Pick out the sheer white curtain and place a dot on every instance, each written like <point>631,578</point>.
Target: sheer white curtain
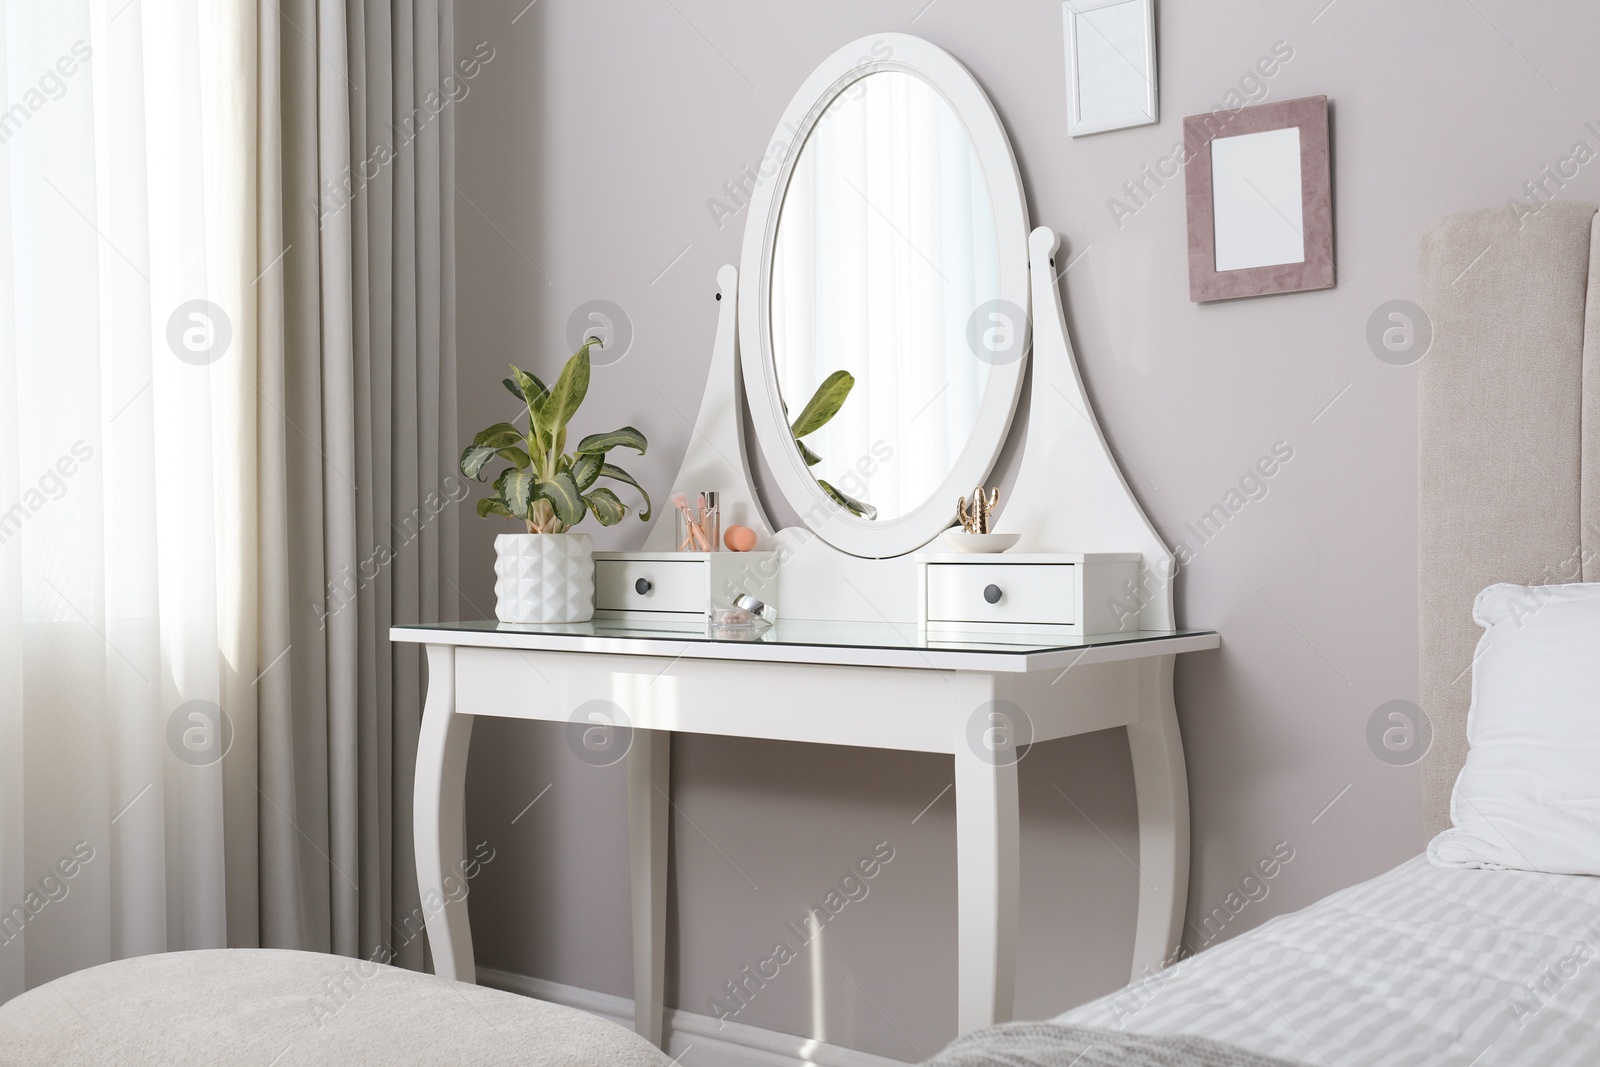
<point>127,480</point>
<point>227,442</point>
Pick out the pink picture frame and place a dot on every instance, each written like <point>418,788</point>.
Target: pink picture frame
<point>1316,270</point>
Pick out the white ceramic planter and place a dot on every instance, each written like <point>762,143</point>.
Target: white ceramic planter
<point>544,577</point>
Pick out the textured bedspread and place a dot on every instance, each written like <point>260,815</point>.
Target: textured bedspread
<point>1054,1045</point>
<point>1420,966</point>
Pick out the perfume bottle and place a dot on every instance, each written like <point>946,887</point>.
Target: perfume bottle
<point>711,519</point>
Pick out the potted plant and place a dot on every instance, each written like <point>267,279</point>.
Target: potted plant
<point>547,573</point>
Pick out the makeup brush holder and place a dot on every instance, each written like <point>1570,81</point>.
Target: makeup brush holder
<point>700,529</point>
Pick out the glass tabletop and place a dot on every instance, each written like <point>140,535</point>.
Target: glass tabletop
<point>815,634</point>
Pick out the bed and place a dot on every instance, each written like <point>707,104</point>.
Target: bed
<point>1426,965</point>
<point>1420,965</point>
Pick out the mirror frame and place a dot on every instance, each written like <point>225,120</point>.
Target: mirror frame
<point>879,539</point>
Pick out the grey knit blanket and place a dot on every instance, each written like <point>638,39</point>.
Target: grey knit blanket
<point>1051,1045</point>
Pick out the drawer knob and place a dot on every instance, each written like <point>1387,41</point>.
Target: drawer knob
<point>991,593</point>
<point>642,587</point>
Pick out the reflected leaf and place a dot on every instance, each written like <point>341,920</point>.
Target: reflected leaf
<point>824,403</point>
<point>849,503</point>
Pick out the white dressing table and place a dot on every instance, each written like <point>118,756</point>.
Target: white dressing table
<point>907,265</point>
<point>978,699</point>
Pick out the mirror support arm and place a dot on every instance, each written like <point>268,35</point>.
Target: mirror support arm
<point>716,457</point>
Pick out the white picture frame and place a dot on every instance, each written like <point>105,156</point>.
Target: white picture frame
<point>1111,65</point>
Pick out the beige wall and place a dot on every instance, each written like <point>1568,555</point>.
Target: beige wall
<point>587,151</point>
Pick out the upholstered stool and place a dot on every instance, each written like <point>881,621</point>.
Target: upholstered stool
<point>261,1007</point>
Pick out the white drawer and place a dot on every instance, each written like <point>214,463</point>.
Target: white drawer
<point>650,585</point>
<point>1037,594</point>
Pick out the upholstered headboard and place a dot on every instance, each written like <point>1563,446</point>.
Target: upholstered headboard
<point>1509,441</point>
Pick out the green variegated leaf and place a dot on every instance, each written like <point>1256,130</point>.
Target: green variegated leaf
<point>824,403</point>
<point>515,389</point>
<point>491,506</point>
<point>850,504</point>
<point>587,469</point>
<point>485,446</point>
<point>516,457</point>
<point>566,395</point>
<point>565,500</point>
<point>606,507</point>
<point>601,443</point>
<point>528,388</point>
<point>474,459</point>
<point>611,470</point>
<point>516,489</point>
<point>533,392</point>
<point>500,435</point>
<point>811,458</point>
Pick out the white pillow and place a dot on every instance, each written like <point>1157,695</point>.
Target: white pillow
<point>1528,797</point>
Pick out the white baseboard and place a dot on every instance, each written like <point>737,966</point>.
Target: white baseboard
<point>712,1043</point>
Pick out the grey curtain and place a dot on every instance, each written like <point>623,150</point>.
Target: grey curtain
<point>359,495</point>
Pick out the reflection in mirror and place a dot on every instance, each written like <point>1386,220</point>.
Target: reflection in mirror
<point>886,254</point>
<point>1256,199</point>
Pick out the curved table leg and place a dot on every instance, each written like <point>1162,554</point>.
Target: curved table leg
<point>1162,785</point>
<point>986,879</point>
<point>440,807</point>
<point>649,765</point>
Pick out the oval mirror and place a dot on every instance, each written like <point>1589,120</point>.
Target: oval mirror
<point>883,314</point>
